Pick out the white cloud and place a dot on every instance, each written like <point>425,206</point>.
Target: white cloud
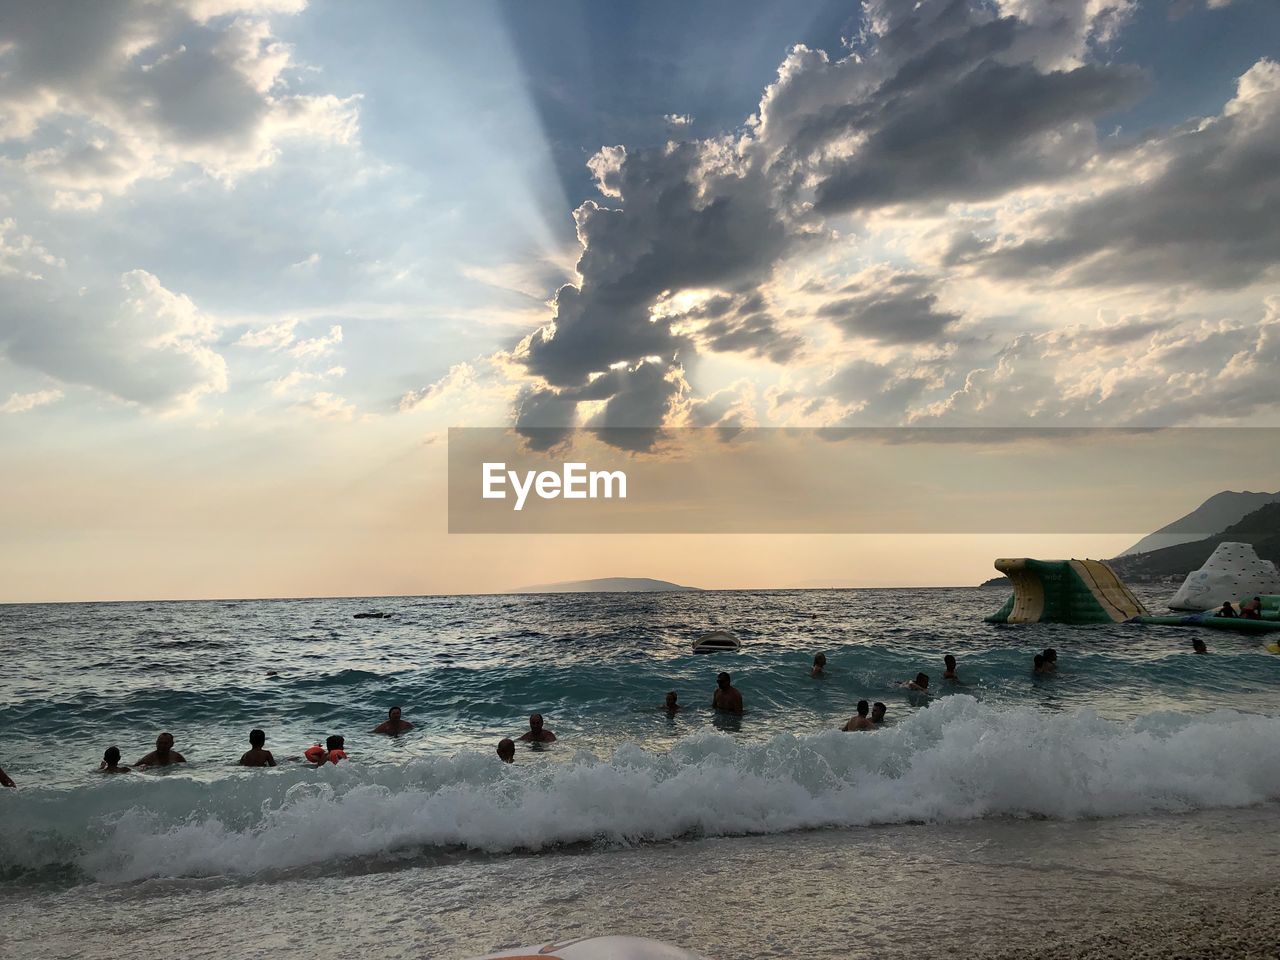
<point>22,402</point>
<point>290,381</point>
<point>21,255</point>
<point>318,346</point>
<point>131,90</point>
<point>140,342</point>
<point>328,406</point>
<point>275,336</point>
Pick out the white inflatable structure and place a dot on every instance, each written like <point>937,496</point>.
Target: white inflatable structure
<point>598,948</point>
<point>1234,572</point>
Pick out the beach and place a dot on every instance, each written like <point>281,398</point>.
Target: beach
<point>1125,887</point>
<point>1123,807</point>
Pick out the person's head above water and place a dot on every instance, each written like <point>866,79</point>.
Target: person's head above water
<point>671,699</point>
<point>164,743</point>
<point>922,679</point>
<point>111,756</point>
<point>1050,655</point>
<point>535,722</point>
<point>257,738</point>
<point>949,661</point>
<point>335,742</point>
<point>877,711</point>
<point>863,708</point>
<point>507,750</point>
<point>393,714</point>
<point>820,660</point>
<point>1198,646</point>
<point>724,681</point>
<point>1038,661</point>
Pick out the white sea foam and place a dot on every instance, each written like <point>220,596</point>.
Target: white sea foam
<point>956,760</point>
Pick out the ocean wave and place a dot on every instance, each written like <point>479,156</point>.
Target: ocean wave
<point>957,760</point>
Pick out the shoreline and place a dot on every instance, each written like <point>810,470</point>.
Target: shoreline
<point>1240,923</point>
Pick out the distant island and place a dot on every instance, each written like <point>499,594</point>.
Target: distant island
<point>609,585</point>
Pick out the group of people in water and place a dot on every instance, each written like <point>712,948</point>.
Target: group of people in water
<point>726,698</point>
<point>1249,610</point>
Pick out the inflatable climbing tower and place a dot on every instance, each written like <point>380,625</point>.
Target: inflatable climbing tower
<point>1234,572</point>
<point>1065,591</point>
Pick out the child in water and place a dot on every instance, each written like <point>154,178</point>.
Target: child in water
<point>257,755</point>
<point>111,761</point>
<point>331,752</point>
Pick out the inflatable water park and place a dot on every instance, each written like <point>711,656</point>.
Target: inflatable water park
<point>1089,591</point>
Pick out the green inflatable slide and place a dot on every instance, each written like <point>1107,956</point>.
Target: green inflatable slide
<point>1065,591</point>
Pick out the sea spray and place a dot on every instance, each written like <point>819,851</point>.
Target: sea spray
<point>959,759</point>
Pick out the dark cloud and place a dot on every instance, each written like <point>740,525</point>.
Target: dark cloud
<point>898,308</point>
<point>637,398</point>
<point>1210,216</point>
<point>642,398</point>
<point>689,218</point>
<point>740,324</point>
<point>996,128</point>
<point>685,221</point>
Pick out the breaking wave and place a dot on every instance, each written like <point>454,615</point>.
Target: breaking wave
<point>957,760</point>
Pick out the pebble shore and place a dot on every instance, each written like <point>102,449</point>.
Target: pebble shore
<point>1237,925</point>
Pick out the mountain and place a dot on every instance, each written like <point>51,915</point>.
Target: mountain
<point>608,585</point>
<point>1260,528</point>
<point>1214,515</point>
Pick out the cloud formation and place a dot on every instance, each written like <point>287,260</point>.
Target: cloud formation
<point>140,343</point>
<point>1202,207</point>
<point>105,94</point>
<point>890,307</point>
<point>941,102</point>
<point>24,402</point>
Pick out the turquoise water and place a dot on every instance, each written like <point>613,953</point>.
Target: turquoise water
<point>1131,723</point>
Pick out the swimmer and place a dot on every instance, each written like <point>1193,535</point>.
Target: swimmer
<point>257,755</point>
<point>819,666</point>
<point>670,705</point>
<point>1050,659</point>
<point>1038,665</point>
<point>4,779</point>
<point>111,761</point>
<point>877,712</point>
<point>536,734</point>
<point>920,683</point>
<point>1227,610</point>
<point>861,721</point>
<point>1252,610</point>
<point>950,673</point>
<point>393,724</point>
<point>507,750</point>
<point>1197,646</point>
<point>163,755</point>
<point>726,697</point>
<point>332,751</point>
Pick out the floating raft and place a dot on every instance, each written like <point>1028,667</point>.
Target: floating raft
<point>1239,624</point>
<point>1065,591</point>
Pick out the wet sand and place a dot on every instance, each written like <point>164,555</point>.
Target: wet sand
<point>1185,886</point>
<point>1233,925</point>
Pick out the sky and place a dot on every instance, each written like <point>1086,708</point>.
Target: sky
<point>258,256</point>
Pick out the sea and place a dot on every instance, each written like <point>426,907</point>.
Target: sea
<point>1002,807</point>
